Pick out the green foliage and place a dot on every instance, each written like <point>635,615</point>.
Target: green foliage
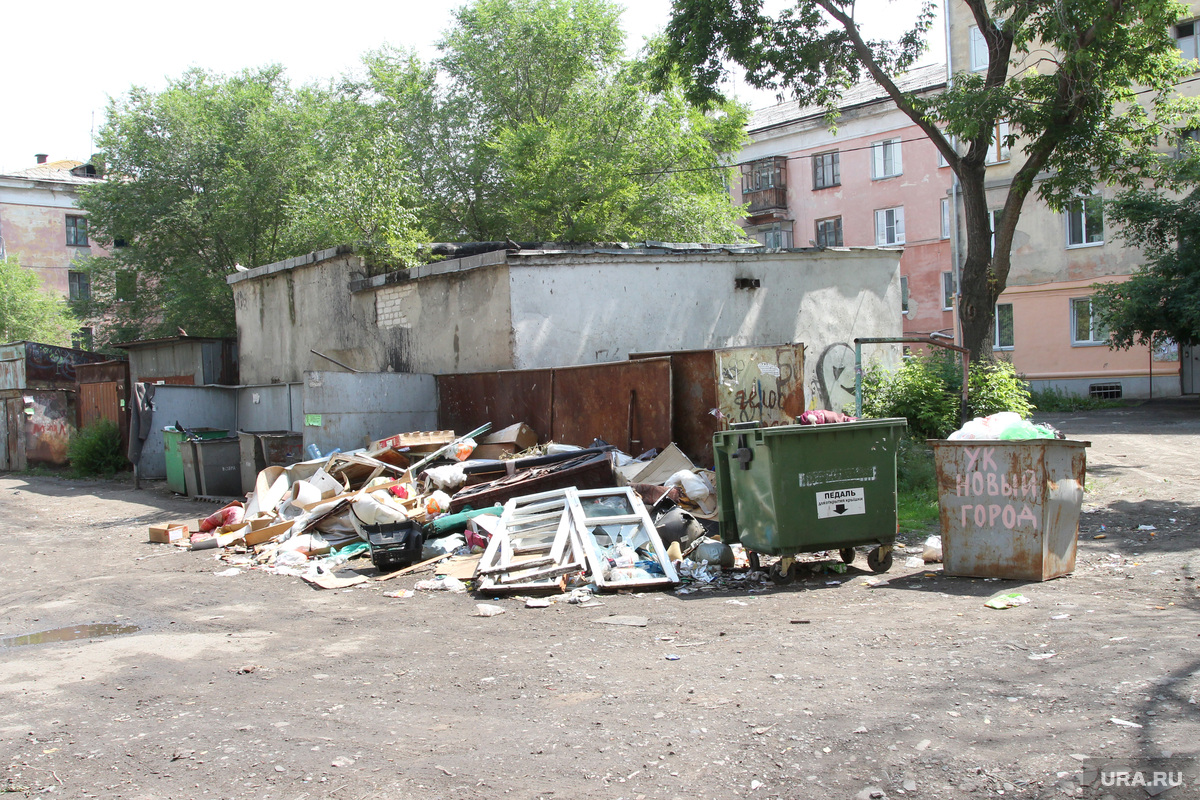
<point>918,391</point>
<point>28,312</point>
<point>1053,399</point>
<point>1087,87</point>
<point>531,127</point>
<point>926,390</point>
<point>916,485</point>
<point>1162,299</point>
<point>96,450</point>
<point>994,386</point>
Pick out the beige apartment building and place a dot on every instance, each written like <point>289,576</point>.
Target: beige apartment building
<point>1044,318</point>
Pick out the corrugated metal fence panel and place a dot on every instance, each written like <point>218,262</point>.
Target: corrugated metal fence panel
<point>627,404</point>
<point>98,401</point>
<point>468,400</point>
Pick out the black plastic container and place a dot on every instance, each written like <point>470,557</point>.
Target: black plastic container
<point>395,545</point>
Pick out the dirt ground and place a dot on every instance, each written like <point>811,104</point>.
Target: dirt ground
<point>260,686</point>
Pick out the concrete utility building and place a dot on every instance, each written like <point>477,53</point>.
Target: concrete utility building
<point>540,308</point>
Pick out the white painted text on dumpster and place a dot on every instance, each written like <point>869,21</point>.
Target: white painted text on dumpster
<point>1006,496</point>
<point>841,503</point>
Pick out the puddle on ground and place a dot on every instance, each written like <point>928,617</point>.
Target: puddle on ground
<point>69,634</point>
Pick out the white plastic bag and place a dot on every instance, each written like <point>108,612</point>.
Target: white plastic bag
<point>697,489</point>
<point>933,550</point>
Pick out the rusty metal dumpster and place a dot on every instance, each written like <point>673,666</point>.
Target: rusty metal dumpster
<point>1010,508</point>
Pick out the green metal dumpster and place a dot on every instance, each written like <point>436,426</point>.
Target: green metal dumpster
<point>805,488</point>
<point>1010,508</point>
<point>172,439</point>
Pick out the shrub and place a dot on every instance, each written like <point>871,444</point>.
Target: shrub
<point>926,389</point>
<point>96,450</point>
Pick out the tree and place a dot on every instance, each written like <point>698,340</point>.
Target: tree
<point>201,177</point>
<point>1085,86</point>
<point>1161,300</point>
<point>29,312</point>
<point>531,126</point>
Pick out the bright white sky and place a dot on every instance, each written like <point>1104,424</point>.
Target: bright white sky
<point>60,63</point>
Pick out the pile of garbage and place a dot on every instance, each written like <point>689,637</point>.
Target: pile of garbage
<point>498,513</point>
<point>1005,425</point>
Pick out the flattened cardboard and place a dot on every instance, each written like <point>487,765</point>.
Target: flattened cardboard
<point>661,467</point>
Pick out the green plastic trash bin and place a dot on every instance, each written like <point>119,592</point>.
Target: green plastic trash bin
<point>806,488</point>
<point>176,475</point>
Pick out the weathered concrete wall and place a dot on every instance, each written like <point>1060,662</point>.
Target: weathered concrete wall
<point>594,308</point>
<point>33,225</point>
<point>408,325</point>
<point>347,410</point>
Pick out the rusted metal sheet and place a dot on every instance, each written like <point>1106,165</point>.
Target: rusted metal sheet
<point>103,372</point>
<point>693,397</point>
<point>12,457</point>
<point>49,420</point>
<point>627,404</point>
<point>468,400</point>
<point>102,392</point>
<point>593,471</point>
<point>729,380</point>
<point>51,367</point>
<point>1010,509</point>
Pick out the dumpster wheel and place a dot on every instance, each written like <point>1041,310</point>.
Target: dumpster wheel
<point>783,571</point>
<point>752,557</point>
<point>880,559</point>
<point>848,554</point>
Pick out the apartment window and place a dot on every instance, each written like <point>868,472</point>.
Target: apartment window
<point>826,170</point>
<point>1004,327</point>
<point>79,286</point>
<point>126,285</point>
<point>999,151</point>
<point>1185,39</point>
<point>829,232</point>
<point>885,159</point>
<point>949,290</point>
<point>1085,222</point>
<point>776,236</point>
<point>1086,327</point>
<point>766,173</point>
<point>945,217</point>
<point>82,339</point>
<point>904,294</point>
<point>979,50</point>
<point>77,231</point>
<point>889,226</point>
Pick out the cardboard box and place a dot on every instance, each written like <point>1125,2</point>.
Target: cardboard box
<point>513,439</point>
<point>170,533</point>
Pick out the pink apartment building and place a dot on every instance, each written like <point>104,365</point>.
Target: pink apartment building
<point>874,182</point>
<point>42,227</point>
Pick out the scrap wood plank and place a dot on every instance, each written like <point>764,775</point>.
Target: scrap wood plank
<point>413,568</point>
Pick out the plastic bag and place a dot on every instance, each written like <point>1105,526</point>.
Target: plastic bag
<point>447,478</point>
<point>231,514</point>
<point>440,547</point>
<point>697,489</point>
<point>437,503</point>
<point>933,550</point>
<point>290,558</point>
<point>461,451</point>
<point>446,584</point>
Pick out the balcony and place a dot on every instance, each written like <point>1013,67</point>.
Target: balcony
<point>764,187</point>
